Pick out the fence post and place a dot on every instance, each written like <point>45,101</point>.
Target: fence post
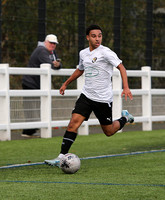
<point>117,100</point>
<point>46,103</point>
<point>147,99</point>
<point>84,128</point>
<point>5,103</point>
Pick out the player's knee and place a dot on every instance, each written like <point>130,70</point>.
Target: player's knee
<point>73,125</point>
<point>109,130</point>
<point>108,133</point>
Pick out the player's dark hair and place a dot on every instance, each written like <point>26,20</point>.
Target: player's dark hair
<point>92,27</point>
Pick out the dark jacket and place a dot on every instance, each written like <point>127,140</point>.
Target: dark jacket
<point>40,55</point>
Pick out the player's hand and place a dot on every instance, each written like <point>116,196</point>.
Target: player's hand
<point>127,93</point>
<point>62,89</point>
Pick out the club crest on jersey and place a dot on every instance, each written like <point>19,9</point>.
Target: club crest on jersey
<point>94,59</point>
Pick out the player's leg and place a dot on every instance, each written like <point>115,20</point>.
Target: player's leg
<point>71,132</point>
<point>103,112</point>
<point>68,138</point>
<point>118,124</point>
<point>111,129</point>
<point>75,122</point>
<point>80,113</point>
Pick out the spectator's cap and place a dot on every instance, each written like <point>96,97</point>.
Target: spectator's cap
<point>51,38</point>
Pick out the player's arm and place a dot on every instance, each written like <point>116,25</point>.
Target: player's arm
<point>77,73</point>
<point>126,90</point>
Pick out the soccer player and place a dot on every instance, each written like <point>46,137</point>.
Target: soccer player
<point>97,62</point>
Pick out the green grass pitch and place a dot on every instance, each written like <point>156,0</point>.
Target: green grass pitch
<point>129,177</point>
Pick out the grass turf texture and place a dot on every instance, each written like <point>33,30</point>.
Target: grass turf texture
<point>116,178</point>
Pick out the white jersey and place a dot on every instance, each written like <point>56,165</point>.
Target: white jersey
<point>98,67</point>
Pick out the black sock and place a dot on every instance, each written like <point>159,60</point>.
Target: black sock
<point>68,139</point>
<point>122,122</point>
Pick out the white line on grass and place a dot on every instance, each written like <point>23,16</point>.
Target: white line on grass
<point>87,158</point>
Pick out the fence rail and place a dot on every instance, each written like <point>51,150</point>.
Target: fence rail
<point>46,93</point>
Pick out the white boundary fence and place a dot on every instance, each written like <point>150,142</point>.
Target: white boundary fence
<point>46,93</point>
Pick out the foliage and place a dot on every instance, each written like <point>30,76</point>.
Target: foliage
<point>132,33</point>
<point>19,31</point>
<point>19,28</point>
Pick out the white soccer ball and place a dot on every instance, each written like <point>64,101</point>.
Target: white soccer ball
<point>70,163</point>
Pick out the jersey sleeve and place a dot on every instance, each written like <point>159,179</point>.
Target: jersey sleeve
<point>112,58</point>
<point>80,66</point>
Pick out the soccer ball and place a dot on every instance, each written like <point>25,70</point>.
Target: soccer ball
<point>70,163</point>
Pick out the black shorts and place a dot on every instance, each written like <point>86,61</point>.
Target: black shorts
<point>85,106</point>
